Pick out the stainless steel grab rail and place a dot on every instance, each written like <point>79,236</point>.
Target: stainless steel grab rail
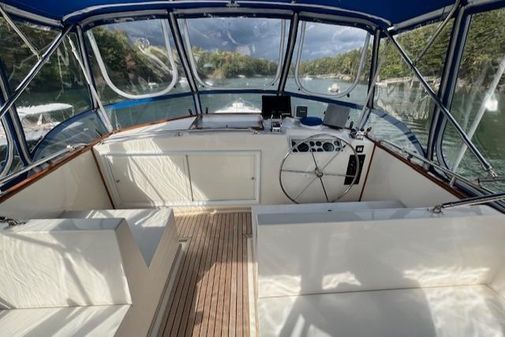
<point>469,202</point>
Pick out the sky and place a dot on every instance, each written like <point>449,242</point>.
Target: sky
<point>261,37</point>
<point>257,37</point>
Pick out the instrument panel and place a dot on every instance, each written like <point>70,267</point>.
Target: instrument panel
<point>316,145</point>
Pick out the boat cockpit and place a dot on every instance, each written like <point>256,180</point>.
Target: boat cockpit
<point>252,168</point>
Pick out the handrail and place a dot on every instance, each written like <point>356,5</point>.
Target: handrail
<point>468,202</point>
<point>44,160</point>
<point>103,68</point>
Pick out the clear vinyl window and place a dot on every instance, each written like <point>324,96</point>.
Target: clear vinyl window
<point>58,91</point>
<point>479,100</point>
<point>398,91</point>
<point>331,60</point>
<point>137,59</point>
<point>237,52</point>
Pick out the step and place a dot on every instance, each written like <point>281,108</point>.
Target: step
<point>378,249</point>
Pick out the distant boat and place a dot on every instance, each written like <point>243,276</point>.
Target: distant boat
<point>334,88</point>
<point>25,111</point>
<point>307,78</point>
<point>38,120</point>
<point>239,107</point>
<point>152,85</point>
<point>241,76</point>
<point>183,82</point>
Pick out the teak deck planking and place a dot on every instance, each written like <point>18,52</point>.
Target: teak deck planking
<point>210,294</point>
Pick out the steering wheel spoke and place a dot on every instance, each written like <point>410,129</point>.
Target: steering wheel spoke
<point>297,171</point>
<point>339,175</point>
<point>305,188</point>
<point>314,159</point>
<point>324,189</point>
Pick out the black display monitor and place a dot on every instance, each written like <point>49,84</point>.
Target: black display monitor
<point>275,106</point>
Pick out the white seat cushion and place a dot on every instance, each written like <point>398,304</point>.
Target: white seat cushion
<point>148,260</point>
<point>146,225</point>
<point>430,312</point>
<point>64,262</point>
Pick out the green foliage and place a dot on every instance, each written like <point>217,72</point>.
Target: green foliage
<point>392,64</point>
<point>128,64</point>
<point>59,80</point>
<point>227,64</point>
<point>17,58</point>
<point>346,63</point>
<point>485,46</point>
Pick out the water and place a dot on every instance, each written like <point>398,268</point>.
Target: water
<point>407,103</point>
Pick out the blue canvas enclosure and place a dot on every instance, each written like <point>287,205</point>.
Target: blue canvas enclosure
<point>390,12</point>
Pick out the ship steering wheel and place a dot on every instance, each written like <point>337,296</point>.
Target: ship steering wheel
<point>321,178</point>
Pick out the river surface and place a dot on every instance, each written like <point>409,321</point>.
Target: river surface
<point>407,102</point>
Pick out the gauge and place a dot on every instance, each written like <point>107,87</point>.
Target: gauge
<point>303,147</point>
<point>328,147</point>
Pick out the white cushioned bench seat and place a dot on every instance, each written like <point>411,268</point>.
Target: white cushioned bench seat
<point>64,262</point>
<point>89,321</point>
<point>147,225</point>
<point>377,249</point>
<point>103,270</point>
<point>148,262</point>
<point>381,273</point>
<point>467,311</point>
<point>64,277</point>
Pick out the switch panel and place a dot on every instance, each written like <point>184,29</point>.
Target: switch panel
<point>351,168</point>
